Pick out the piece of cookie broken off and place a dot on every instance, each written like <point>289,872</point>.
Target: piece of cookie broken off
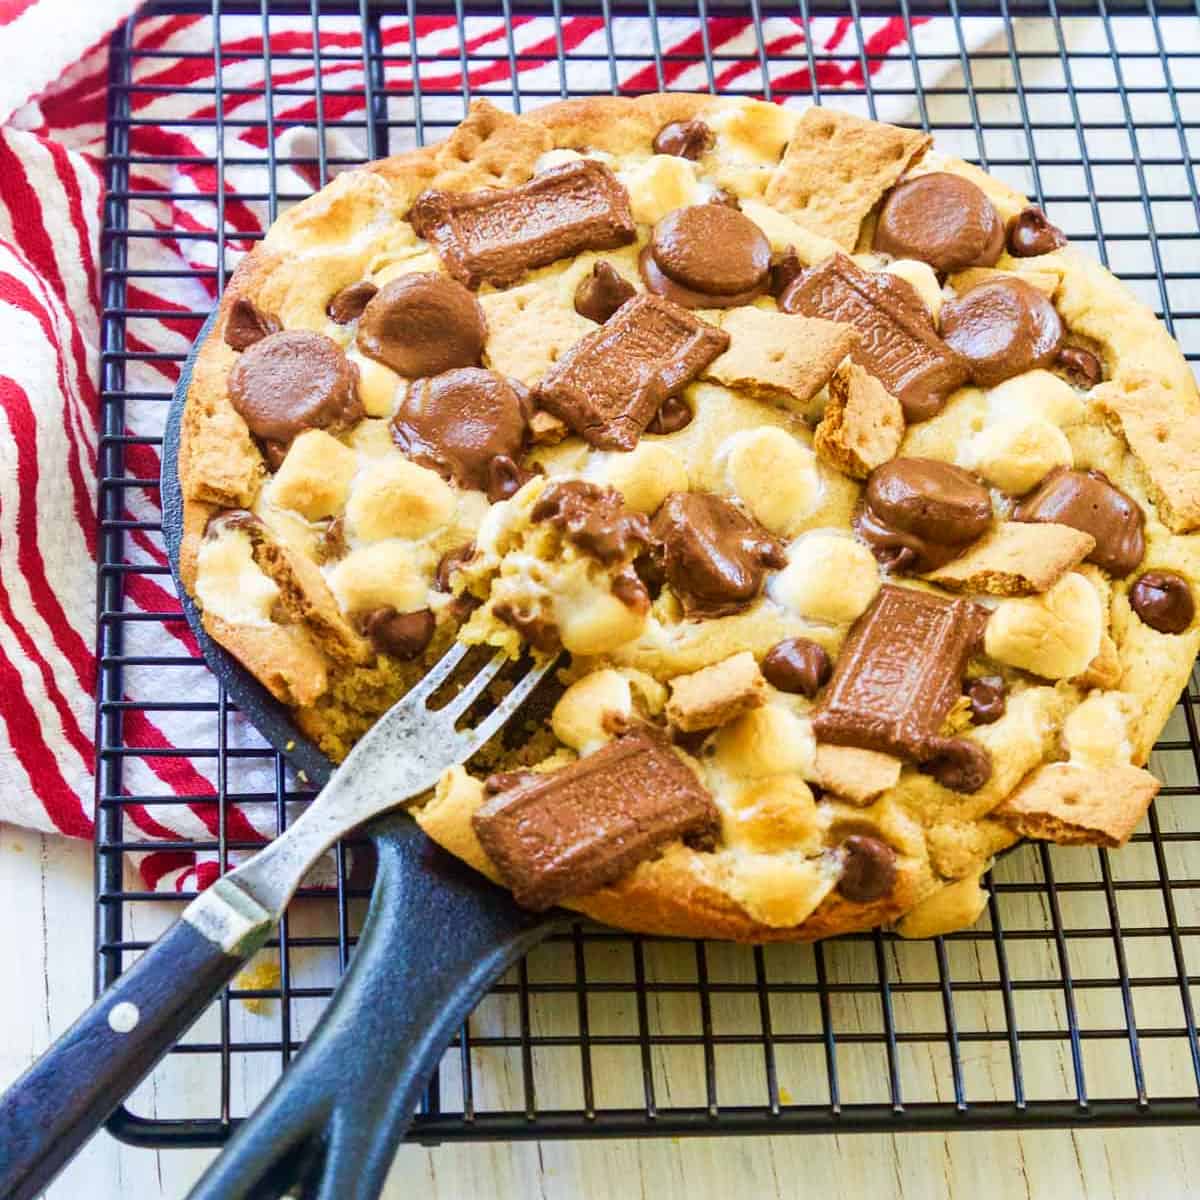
<point>837,166</point>
<point>572,831</point>
<point>611,383</point>
<point>855,775</point>
<point>780,357</point>
<point>1076,805</point>
<point>1015,558</point>
<point>863,423</point>
<point>496,235</point>
<point>717,694</point>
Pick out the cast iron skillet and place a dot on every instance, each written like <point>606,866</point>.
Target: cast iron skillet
<point>437,936</point>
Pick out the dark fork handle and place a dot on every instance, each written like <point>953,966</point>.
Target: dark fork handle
<point>436,937</point>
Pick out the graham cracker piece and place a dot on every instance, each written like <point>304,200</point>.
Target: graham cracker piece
<point>863,424</point>
<point>716,695</point>
<point>491,148</point>
<point>1161,424</point>
<point>837,166</point>
<point>780,357</point>
<point>853,774</point>
<point>529,329</point>
<point>1104,671</point>
<point>1046,282</point>
<point>1016,558</point>
<point>1078,805</point>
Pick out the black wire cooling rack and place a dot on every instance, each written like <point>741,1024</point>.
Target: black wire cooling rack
<point>1072,1001</point>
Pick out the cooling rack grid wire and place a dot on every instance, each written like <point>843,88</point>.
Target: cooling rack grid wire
<point>1073,1000</point>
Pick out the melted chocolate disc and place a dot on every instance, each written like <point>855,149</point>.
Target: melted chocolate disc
<point>943,220</point>
<point>707,256</point>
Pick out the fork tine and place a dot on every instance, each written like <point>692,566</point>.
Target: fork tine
<point>474,686</point>
<point>437,675</point>
<point>480,733</point>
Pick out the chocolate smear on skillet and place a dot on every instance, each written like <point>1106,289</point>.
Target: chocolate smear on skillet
<point>1002,327</point>
<point>248,324</point>
<point>943,220</point>
<point>1088,501</point>
<point>898,674</point>
<point>468,424</point>
<point>684,139</point>
<point>610,384</point>
<point>601,293</point>
<point>898,344</point>
<point>919,513</point>
<point>575,830</point>
<point>1163,600</point>
<point>1030,234</point>
<point>348,304</point>
<point>497,234</point>
<point>869,870</point>
<point>422,324</point>
<point>402,635</point>
<point>706,256</point>
<point>292,381</point>
<point>594,518</point>
<point>797,665</point>
<point>1081,367</point>
<point>988,698</point>
<point>714,557</point>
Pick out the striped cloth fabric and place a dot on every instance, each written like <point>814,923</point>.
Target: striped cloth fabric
<point>51,159</point>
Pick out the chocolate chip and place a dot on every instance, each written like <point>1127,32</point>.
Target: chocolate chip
<point>628,587</point>
<point>534,627</point>
<point>601,293</point>
<point>1163,600</point>
<point>331,544</point>
<point>450,562</point>
<point>1030,234</point>
<point>785,268</point>
<point>1081,367</point>
<point>960,764</point>
<point>402,635</point>
<point>684,139</point>
<point>674,414</point>
<point>505,478</point>
<point>942,219</point>
<point>248,324</point>
<point>987,695</point>
<point>869,870</point>
<point>348,304</point>
<point>797,665</point>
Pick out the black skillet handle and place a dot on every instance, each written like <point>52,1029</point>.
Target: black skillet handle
<point>48,1114</point>
<point>436,937</point>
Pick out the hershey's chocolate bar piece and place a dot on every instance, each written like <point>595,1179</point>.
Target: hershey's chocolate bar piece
<point>497,234</point>
<point>898,344</point>
<point>578,829</point>
<point>899,672</point>
<point>610,384</point>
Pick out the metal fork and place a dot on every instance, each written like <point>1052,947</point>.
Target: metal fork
<point>49,1112</point>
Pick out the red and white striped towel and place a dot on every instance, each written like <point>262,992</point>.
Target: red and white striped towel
<point>51,151</point>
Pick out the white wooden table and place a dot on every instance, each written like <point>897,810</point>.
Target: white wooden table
<point>46,940</point>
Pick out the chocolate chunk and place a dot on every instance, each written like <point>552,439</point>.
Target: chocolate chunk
<point>987,695</point>
<point>292,381</point>
<point>331,543</point>
<point>674,414</point>
<point>959,764</point>
<point>786,267</point>
<point>1088,501</point>
<point>941,219</point>
<point>422,324</point>
<point>1002,327</point>
<point>898,344</point>
<point>1030,234</point>
<point>572,831</point>
<point>1163,600</point>
<point>450,562</point>
<point>610,383</point>
<point>628,587</point>
<point>919,513</point>
<point>869,871</point>
<point>534,627</point>
<point>684,139</point>
<point>601,293</point>
<point>1081,367</point>
<point>348,304</point>
<point>231,519</point>
<point>899,672</point>
<point>248,324</point>
<point>496,235</point>
<point>706,256</point>
<point>797,665</point>
<point>461,422</point>
<point>402,635</point>
<point>714,557</point>
<point>505,478</point>
<point>594,518</point>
